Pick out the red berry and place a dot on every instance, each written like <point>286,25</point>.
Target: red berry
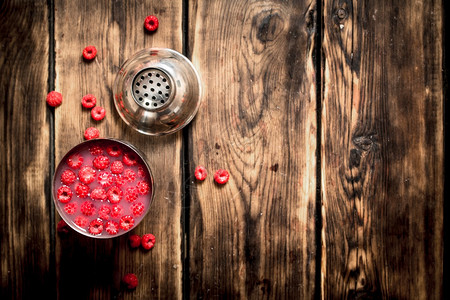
<point>131,194</point>
<point>54,99</point>
<point>64,194</point>
<point>89,52</point>
<point>112,227</point>
<point>101,162</point>
<point>151,23</point>
<point>68,177</point>
<point>129,159</point>
<point>82,190</point>
<point>114,194</point>
<point>148,241</point>
<point>116,211</point>
<point>129,175</point>
<point>141,172</point>
<point>200,173</point>
<point>98,194</point>
<point>70,208</point>
<point>75,161</point>
<point>221,176</point>
<point>120,180</point>
<point>114,150</point>
<point>135,240</point>
<point>98,113</point>
<point>81,221</point>
<point>104,211</point>
<point>91,133</point>
<point>96,150</point>
<point>116,167</point>
<point>143,187</point>
<point>126,222</point>
<point>86,174</point>
<point>105,179</point>
<point>88,101</point>
<point>131,281</point>
<point>137,209</point>
<point>62,227</point>
<point>96,226</point>
<point>87,208</point>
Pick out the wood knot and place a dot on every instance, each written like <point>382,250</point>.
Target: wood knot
<point>366,142</point>
<point>269,27</point>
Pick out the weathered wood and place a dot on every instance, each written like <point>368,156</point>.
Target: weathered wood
<point>24,156</point>
<point>254,237</point>
<point>382,150</point>
<point>116,29</point>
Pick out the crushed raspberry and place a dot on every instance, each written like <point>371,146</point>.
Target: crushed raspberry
<point>141,172</point>
<point>96,150</point>
<point>126,222</point>
<point>98,113</point>
<point>114,194</point>
<point>54,99</point>
<point>96,226</point>
<point>91,133</point>
<point>137,208</point>
<point>116,211</point>
<point>135,240</point>
<point>148,241</point>
<point>143,187</point>
<point>68,177</point>
<point>62,227</point>
<point>87,208</point>
<point>89,52</point>
<point>81,221</point>
<point>130,280</point>
<point>151,23</point>
<point>120,180</point>
<point>75,161</point>
<point>114,150</point>
<point>131,194</point>
<point>221,176</point>
<point>129,175</point>
<point>101,162</point>
<point>70,208</point>
<point>105,179</point>
<point>104,211</point>
<point>200,173</point>
<point>64,194</point>
<point>88,101</point>
<point>86,174</point>
<point>116,167</point>
<point>82,190</point>
<point>129,159</point>
<point>112,227</point>
<point>98,194</point>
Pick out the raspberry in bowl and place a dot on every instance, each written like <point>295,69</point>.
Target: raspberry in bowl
<point>103,188</point>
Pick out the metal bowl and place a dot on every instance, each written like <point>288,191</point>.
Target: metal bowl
<point>157,91</point>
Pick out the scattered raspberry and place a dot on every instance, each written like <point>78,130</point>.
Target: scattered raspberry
<point>104,211</point>
<point>116,211</point>
<point>135,241</point>
<point>151,23</point>
<point>148,241</point>
<point>131,281</point>
<point>114,194</point>
<point>89,52</point>
<point>62,227</point>
<point>112,227</point>
<point>129,159</point>
<point>91,133</point>
<point>82,190</point>
<point>98,194</point>
<point>86,174</point>
<point>87,208</point>
<point>64,194</point>
<point>120,180</point>
<point>96,226</point>
<point>200,173</point>
<point>68,177</point>
<point>143,187</point>
<point>96,150</point>
<point>116,167</point>
<point>101,162</point>
<point>98,113</point>
<point>129,175</point>
<point>137,209</point>
<point>141,172</point>
<point>81,221</point>
<point>221,176</point>
<point>126,222</point>
<point>131,194</point>
<point>105,179</point>
<point>70,208</point>
<point>54,99</point>
<point>75,161</point>
<point>114,150</point>
<point>88,101</point>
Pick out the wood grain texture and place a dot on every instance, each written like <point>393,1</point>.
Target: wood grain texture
<point>116,29</point>
<point>254,237</point>
<point>382,150</point>
<point>24,156</point>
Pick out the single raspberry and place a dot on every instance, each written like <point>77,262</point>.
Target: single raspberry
<point>200,173</point>
<point>98,194</point>
<point>64,194</point>
<point>87,208</point>
<point>151,23</point>
<point>91,133</point>
<point>141,172</point>
<point>120,180</point>
<point>96,226</point>
<point>70,208</point>
<point>143,187</point>
<point>86,174</point>
<point>88,101</point>
<point>75,161</point>
<point>130,280</point>
<point>89,52</point>
<point>131,194</point>
<point>112,227</point>
<point>54,99</point>
<point>62,227</point>
<point>98,113</point>
<point>114,150</point>
<point>104,211</point>
<point>221,176</point>
<point>105,179</point>
<point>126,222</point>
<point>116,167</point>
<point>129,175</point>
<point>82,190</point>
<point>116,211</point>
<point>148,241</point>
<point>114,194</point>
<point>129,159</point>
<point>96,150</point>
<point>68,177</point>
<point>137,209</point>
<point>101,162</point>
<point>135,240</point>
<point>81,221</point>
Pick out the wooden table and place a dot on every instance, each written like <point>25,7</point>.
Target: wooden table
<point>328,115</point>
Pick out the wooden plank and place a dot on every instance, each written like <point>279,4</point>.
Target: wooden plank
<point>24,156</point>
<point>116,29</point>
<point>382,150</point>
<point>254,237</point>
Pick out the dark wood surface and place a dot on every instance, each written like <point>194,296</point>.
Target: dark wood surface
<point>328,115</point>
